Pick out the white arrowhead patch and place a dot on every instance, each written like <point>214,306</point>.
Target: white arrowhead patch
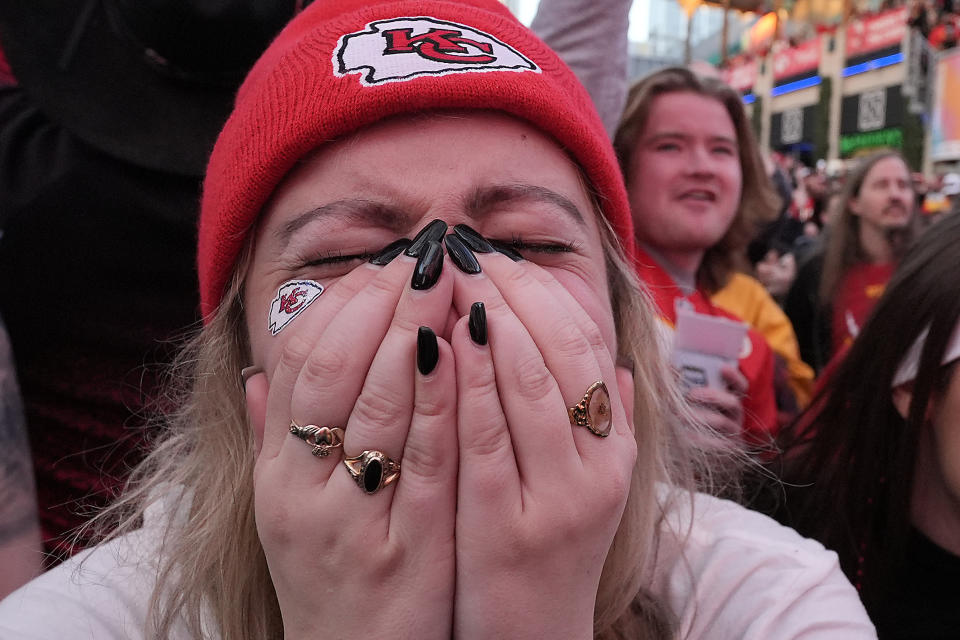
<point>292,299</point>
<point>400,49</point>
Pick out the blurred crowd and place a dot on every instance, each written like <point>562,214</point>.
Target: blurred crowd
<point>811,196</point>
<point>937,20</point>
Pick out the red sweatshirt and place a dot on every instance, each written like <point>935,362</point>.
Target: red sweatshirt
<point>759,405</point>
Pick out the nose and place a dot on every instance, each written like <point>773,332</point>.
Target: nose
<point>699,161</point>
<point>901,195</point>
<point>451,213</point>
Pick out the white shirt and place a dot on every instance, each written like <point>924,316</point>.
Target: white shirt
<point>744,575</point>
<point>741,575</point>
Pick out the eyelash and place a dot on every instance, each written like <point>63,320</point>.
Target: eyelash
<point>336,257</point>
<point>517,242</point>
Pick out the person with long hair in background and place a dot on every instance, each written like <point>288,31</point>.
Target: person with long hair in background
<point>835,288</point>
<point>698,190</point>
<point>872,468</point>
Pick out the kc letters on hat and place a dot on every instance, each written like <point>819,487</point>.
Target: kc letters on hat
<point>342,65</point>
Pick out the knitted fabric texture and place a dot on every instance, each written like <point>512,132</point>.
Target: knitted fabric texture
<point>342,65</point>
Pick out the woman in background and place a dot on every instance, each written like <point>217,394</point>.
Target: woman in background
<point>872,468</point>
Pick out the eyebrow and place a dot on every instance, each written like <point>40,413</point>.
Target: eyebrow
<point>347,210</point>
<point>484,199</point>
<point>677,134</point>
<point>480,203</point>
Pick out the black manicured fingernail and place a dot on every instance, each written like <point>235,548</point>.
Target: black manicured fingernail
<point>433,231</point>
<point>429,266</point>
<point>473,239</point>
<point>506,250</point>
<point>461,255</point>
<point>427,351</point>
<point>391,251</point>
<point>478,323</point>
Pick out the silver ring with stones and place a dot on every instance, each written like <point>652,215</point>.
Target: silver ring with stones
<point>372,470</point>
<point>322,439</point>
<point>593,410</point>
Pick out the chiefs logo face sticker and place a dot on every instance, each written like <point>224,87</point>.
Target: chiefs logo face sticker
<point>292,298</point>
<point>404,48</point>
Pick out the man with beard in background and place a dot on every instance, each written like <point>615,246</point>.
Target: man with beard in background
<point>836,288</point>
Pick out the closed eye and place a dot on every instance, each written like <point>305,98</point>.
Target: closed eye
<point>337,258</point>
<point>518,243</point>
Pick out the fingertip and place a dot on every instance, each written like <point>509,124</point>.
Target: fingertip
<point>736,381</point>
<point>427,350</point>
<point>478,323</point>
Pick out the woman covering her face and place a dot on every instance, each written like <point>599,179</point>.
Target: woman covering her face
<point>415,232</point>
<point>697,190</point>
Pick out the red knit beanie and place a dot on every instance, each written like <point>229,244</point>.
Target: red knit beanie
<point>344,64</point>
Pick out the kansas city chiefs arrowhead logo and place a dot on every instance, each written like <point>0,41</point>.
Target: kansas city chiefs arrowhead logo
<point>403,48</point>
<point>292,298</point>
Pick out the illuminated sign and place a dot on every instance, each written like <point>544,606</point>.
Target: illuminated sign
<point>870,65</point>
<point>806,83</point>
<point>883,138</point>
<point>796,60</point>
<point>740,73</point>
<point>880,108</point>
<point>792,127</point>
<point>760,36</point>
<point>876,32</point>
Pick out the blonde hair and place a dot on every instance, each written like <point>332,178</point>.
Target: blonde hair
<point>207,447</point>
<point>759,201</point>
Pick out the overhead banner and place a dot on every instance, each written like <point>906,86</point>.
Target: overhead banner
<point>876,32</point>
<point>945,120</point>
<point>740,73</point>
<point>801,59</point>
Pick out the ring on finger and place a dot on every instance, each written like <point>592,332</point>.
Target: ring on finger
<point>593,410</point>
<point>372,470</point>
<point>322,439</point>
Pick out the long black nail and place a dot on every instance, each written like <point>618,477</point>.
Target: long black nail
<point>478,323</point>
<point>473,239</point>
<point>427,351</point>
<point>507,250</point>
<point>429,266</point>
<point>461,255</point>
<point>389,252</point>
<point>433,231</point>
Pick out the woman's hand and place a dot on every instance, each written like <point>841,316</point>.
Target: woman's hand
<point>539,500</point>
<point>346,563</point>
<point>721,409</point>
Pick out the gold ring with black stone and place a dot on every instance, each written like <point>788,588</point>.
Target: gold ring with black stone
<point>322,439</point>
<point>372,470</point>
<point>593,410</point>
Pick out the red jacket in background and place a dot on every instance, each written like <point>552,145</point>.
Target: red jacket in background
<point>860,288</point>
<point>759,405</point>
